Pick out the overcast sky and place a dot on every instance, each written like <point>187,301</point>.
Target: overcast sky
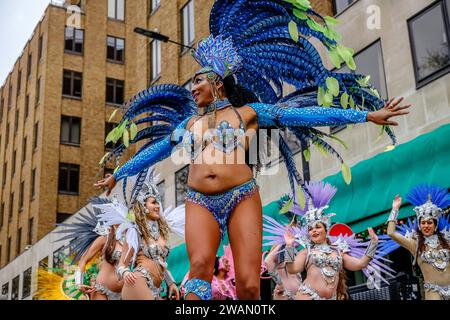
<point>17,21</point>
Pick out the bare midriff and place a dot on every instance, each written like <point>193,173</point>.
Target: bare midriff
<point>214,171</point>
<point>153,267</point>
<point>107,277</point>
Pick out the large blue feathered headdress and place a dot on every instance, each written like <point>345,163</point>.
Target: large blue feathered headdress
<point>429,200</point>
<point>217,54</point>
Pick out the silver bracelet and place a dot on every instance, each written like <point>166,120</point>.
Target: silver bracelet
<point>79,277</point>
<point>121,271</point>
<point>168,278</point>
<point>393,216</point>
<point>290,254</point>
<point>371,249</point>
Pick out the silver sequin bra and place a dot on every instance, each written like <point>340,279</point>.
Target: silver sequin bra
<point>156,252</point>
<point>224,138</point>
<point>329,266</point>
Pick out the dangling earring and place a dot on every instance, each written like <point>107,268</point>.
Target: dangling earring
<point>146,211</point>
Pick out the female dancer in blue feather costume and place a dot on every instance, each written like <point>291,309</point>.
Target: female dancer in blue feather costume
<point>427,239</point>
<point>254,49</point>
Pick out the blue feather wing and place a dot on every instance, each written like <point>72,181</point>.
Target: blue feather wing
<point>167,104</point>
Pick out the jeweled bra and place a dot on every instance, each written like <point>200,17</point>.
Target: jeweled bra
<point>225,138</point>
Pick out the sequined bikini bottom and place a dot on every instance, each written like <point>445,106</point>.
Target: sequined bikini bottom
<point>444,291</point>
<point>222,205</point>
<point>155,291</point>
<point>111,295</point>
<point>306,289</point>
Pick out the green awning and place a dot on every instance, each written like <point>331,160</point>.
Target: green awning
<point>367,201</point>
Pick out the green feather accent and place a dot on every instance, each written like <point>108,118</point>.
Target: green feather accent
<point>287,206</point>
<point>307,154</point>
<point>293,31</point>
<point>346,173</point>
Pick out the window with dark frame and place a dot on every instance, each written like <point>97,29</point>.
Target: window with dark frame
<point>38,91</point>
<point>24,150</point>
<point>27,106</point>
<point>15,288</point>
<point>429,33</point>
<point>115,49</point>
<point>181,178</point>
<point>19,82</point>
<point>73,40</point>
<point>40,47</point>
<point>7,134</point>
<point>72,83</point>
<point>14,155</point>
<point>11,206</point>
<point>69,178</point>
<point>5,167</point>
<point>116,9</point>
<point>156,59</point>
<point>340,5</point>
<point>22,186</point>
<point>5,289</point>
<point>30,64</point>
<point>35,135</point>
<point>16,121</point>
<point>26,283</point>
<point>369,61</point>
<point>70,130</point>
<point>33,183</point>
<point>187,25</point>
<point>115,91</point>
<point>19,242</point>
<point>30,231</point>
<point>10,95</point>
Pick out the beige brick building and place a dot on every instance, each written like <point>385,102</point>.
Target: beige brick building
<point>55,105</point>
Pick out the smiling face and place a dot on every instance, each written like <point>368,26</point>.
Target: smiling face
<point>318,233</point>
<point>202,91</point>
<point>153,207</point>
<point>427,227</point>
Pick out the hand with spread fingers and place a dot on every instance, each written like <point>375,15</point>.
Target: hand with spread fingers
<point>108,182</point>
<point>391,109</point>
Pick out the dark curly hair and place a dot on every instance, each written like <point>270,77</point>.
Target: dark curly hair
<point>237,94</point>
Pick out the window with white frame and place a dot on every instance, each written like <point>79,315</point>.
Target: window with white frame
<point>156,59</point>
<point>188,24</point>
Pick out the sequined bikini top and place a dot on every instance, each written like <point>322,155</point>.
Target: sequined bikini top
<point>434,255</point>
<point>156,252</point>
<point>224,138</point>
<point>329,265</point>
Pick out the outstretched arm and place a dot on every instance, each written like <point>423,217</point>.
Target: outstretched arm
<point>409,244</point>
<point>271,115</point>
<point>153,154</point>
<point>356,264</point>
